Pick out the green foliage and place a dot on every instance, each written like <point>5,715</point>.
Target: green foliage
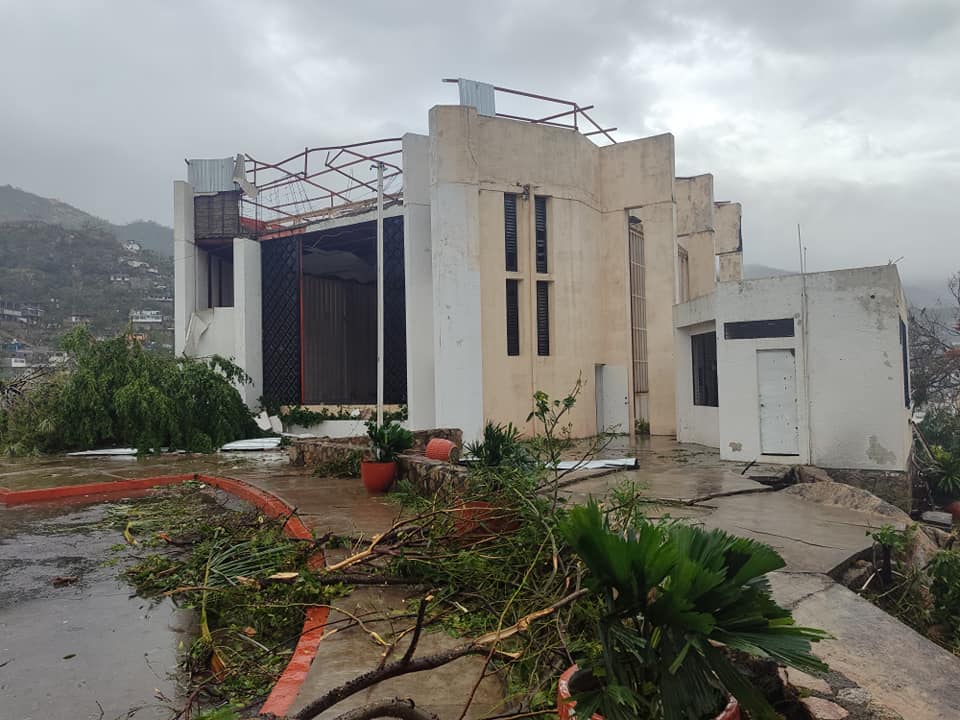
<point>388,440</point>
<point>942,427</point>
<point>501,445</point>
<point>944,573</point>
<point>642,427</point>
<point>671,594</point>
<point>888,536</point>
<point>222,567</point>
<point>66,271</point>
<point>945,471</point>
<point>346,466</point>
<point>118,393</point>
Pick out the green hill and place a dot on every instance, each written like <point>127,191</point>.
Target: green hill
<point>69,272</point>
<point>18,205</point>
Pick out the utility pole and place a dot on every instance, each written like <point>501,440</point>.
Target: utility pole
<point>379,293</point>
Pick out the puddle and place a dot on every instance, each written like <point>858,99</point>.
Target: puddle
<point>90,649</point>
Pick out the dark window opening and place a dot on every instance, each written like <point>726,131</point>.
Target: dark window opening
<point>905,358</point>
<point>543,317</point>
<point>754,329</point>
<point>510,230</point>
<point>540,204</point>
<point>220,277</point>
<point>703,349</point>
<point>513,317</point>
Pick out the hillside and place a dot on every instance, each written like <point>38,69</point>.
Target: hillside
<point>18,205</point>
<point>53,278</point>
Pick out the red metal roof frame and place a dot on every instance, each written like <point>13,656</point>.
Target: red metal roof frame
<point>305,188</point>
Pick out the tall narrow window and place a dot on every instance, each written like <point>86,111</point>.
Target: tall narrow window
<point>540,208</point>
<point>513,317</point>
<point>510,230</point>
<point>543,317</point>
<point>703,349</point>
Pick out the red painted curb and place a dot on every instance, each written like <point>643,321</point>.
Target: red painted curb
<point>113,487</point>
<point>287,687</point>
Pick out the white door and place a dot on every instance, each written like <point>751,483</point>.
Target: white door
<point>611,383</point>
<point>777,382</point>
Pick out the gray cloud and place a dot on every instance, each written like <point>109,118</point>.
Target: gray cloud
<point>838,115</point>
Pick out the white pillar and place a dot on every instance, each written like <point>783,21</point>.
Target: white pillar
<point>247,313</point>
<point>418,282</point>
<point>184,263</point>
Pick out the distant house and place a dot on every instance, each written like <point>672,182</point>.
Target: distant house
<point>77,320</point>
<point>136,263</point>
<point>146,317</point>
<point>131,247</point>
<point>119,279</point>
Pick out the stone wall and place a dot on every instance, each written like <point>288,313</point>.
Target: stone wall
<point>894,487</point>
<point>313,451</point>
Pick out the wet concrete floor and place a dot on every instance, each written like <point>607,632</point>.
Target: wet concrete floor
<point>89,649</point>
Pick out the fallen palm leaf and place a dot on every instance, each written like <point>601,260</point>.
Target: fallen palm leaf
<point>284,577</point>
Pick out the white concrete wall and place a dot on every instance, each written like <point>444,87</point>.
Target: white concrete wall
<point>248,325</point>
<point>455,250</point>
<point>184,263</point>
<point>695,231</point>
<point>418,282</point>
<point>858,414</point>
<point>232,332</point>
<point>695,423</point>
<point>474,160</point>
<point>850,397</point>
<point>737,364</point>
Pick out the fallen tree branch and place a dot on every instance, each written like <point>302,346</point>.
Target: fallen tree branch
<point>405,666</point>
<point>405,709</point>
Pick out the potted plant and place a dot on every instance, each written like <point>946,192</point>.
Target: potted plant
<point>672,598</point>
<point>386,442</point>
<point>498,454</point>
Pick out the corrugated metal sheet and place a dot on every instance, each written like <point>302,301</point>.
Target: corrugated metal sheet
<point>211,175</point>
<point>479,95</point>
<point>339,341</point>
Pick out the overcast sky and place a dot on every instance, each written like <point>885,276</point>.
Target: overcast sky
<point>842,116</point>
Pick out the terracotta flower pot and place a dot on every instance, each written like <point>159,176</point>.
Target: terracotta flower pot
<point>440,449</point>
<point>565,706</point>
<point>377,477</point>
<point>478,519</point>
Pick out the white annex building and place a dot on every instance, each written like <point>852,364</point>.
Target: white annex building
<point>523,248</point>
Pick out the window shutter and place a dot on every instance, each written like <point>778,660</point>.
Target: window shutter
<point>540,204</point>
<point>513,318</point>
<point>543,317</point>
<point>510,230</point>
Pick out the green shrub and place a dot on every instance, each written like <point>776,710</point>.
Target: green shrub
<point>118,393</point>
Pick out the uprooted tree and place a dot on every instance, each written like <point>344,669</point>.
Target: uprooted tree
<point>116,392</point>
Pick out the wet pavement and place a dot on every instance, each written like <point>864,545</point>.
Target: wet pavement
<point>86,649</point>
<point>680,480</point>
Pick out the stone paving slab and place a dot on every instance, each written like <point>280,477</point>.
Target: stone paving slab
<point>900,668</point>
<point>344,654</point>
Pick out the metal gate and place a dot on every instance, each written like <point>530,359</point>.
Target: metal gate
<point>638,319</point>
<point>280,293</point>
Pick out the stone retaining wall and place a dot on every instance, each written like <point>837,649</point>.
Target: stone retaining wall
<point>313,451</point>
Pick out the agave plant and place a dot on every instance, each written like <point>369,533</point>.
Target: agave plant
<point>499,446</point>
<point>388,440</point>
<point>672,597</point>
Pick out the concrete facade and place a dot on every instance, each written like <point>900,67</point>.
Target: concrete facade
<point>846,345</point>
<point>233,332</point>
<point>591,193</point>
<point>459,373</point>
